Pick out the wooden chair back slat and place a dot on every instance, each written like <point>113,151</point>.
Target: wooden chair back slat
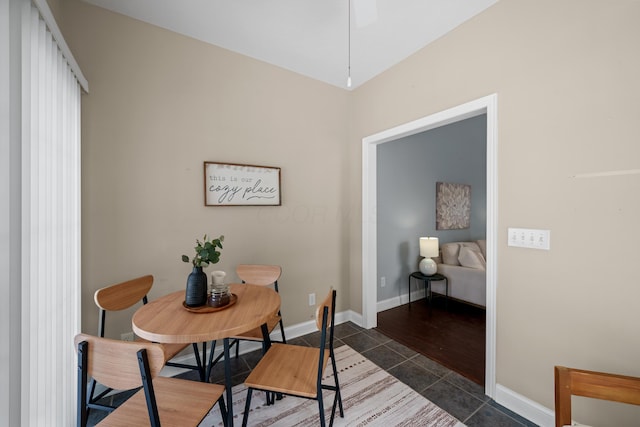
<point>114,363</point>
<point>598,385</point>
<point>123,295</point>
<point>258,274</point>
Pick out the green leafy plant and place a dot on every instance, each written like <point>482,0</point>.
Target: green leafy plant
<point>206,252</point>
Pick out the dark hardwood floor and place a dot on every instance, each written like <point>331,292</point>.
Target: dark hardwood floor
<point>453,336</point>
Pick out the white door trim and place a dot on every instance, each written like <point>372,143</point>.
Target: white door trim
<point>488,105</point>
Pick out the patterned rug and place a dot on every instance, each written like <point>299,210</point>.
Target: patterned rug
<point>370,397</point>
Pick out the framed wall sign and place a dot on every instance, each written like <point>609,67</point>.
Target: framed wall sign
<point>230,184</point>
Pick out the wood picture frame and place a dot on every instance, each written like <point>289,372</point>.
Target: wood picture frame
<point>233,184</point>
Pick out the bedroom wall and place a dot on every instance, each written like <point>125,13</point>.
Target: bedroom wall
<point>566,77</point>
<point>408,169</point>
<point>160,105</point>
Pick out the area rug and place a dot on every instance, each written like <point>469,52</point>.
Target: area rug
<point>370,397</point>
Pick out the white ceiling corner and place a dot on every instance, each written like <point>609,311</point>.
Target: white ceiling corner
<point>310,37</point>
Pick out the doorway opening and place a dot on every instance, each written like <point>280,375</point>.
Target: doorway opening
<point>486,105</point>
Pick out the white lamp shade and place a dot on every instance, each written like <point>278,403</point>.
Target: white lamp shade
<point>429,247</point>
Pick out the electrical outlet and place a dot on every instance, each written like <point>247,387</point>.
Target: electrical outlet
<point>127,336</point>
<point>383,281</point>
<point>529,238</point>
<point>312,299</point>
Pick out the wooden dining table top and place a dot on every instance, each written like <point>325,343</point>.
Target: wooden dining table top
<point>166,320</point>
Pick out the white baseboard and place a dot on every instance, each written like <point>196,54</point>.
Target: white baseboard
<point>525,407</point>
<point>399,300</point>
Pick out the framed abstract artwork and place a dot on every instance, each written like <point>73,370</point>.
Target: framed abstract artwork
<point>453,206</point>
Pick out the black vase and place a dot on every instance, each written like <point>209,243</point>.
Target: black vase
<point>196,293</point>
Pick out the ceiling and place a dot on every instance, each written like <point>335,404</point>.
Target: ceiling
<point>310,37</point>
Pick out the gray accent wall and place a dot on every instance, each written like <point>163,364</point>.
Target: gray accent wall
<point>407,172</point>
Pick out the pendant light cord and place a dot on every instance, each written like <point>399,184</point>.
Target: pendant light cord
<point>349,48</point>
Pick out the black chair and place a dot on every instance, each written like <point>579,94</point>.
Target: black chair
<point>261,275</point>
<point>125,365</point>
<point>297,370</point>
<point>122,296</point>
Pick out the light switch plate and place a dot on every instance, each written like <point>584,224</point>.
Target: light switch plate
<point>529,238</point>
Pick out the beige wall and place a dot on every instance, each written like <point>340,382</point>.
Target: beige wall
<point>566,76</point>
<point>161,104</point>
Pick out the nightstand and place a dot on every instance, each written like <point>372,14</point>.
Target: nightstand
<point>427,283</point>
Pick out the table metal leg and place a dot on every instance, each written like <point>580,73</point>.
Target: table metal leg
<point>200,364</point>
<point>409,291</point>
<point>204,377</point>
<point>227,381</point>
<point>446,292</point>
<point>211,362</point>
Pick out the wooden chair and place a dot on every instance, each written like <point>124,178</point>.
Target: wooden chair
<point>297,370</point>
<point>598,385</point>
<point>125,365</point>
<point>262,275</point>
<point>122,296</point>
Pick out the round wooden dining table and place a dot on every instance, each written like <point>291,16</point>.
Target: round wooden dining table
<point>167,320</point>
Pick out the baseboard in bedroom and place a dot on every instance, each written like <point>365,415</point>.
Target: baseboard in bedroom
<point>399,300</point>
<point>525,407</point>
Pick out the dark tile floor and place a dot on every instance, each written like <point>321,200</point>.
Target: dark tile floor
<point>459,396</point>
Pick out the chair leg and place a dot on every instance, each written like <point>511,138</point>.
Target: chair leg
<point>284,340</point>
<point>333,407</point>
<point>321,409</point>
<point>247,405</point>
<point>81,414</point>
<point>197,367</point>
<point>92,390</point>
<point>147,384</point>
<point>223,411</point>
<point>338,396</point>
<point>237,344</point>
<point>198,361</point>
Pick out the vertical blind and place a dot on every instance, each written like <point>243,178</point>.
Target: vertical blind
<point>50,221</point>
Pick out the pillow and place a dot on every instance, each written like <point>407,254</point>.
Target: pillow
<point>472,259</point>
<point>483,247</point>
<point>471,245</point>
<point>450,253</point>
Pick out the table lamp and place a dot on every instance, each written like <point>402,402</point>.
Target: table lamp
<point>428,248</point>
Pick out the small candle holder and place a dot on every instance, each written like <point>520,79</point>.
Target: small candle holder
<point>219,295</point>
